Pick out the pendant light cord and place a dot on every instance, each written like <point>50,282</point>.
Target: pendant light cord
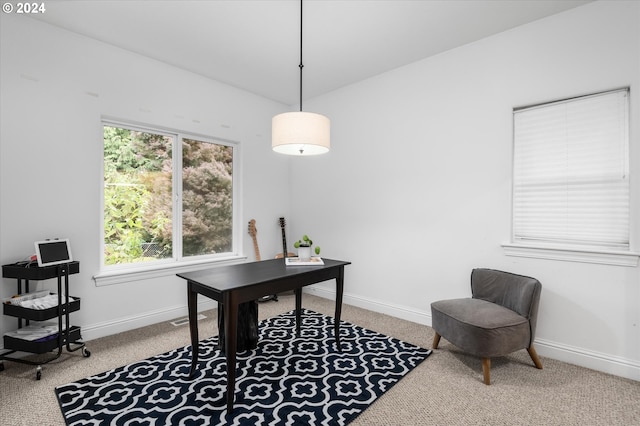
<point>301,66</point>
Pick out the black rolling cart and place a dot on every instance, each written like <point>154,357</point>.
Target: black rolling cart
<point>67,336</point>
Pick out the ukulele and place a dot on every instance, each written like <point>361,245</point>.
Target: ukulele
<point>253,231</point>
<point>285,252</point>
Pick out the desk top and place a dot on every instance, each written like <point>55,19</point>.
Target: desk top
<point>231,277</point>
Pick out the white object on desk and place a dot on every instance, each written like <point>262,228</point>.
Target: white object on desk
<point>295,261</point>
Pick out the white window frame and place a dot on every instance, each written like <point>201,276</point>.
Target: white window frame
<point>566,252</point>
<point>116,274</point>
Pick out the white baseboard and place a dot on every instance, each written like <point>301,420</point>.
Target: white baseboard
<point>573,355</point>
<point>397,311</point>
<point>96,331</point>
<point>578,356</point>
<point>605,363</point>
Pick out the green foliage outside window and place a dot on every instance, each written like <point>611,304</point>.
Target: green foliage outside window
<point>207,194</point>
<point>138,194</point>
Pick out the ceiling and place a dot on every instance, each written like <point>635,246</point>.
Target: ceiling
<point>255,45</point>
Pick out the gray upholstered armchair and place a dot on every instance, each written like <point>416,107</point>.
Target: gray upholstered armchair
<point>500,318</point>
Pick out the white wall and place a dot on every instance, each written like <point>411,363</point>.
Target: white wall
<point>55,87</point>
<point>416,189</point>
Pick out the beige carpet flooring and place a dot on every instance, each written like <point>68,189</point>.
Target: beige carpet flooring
<point>446,389</point>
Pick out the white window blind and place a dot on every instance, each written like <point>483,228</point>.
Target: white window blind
<point>571,172</point>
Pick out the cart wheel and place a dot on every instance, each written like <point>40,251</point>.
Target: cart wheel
<point>86,353</point>
<point>38,373</point>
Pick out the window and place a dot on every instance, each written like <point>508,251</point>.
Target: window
<point>168,197</point>
<point>571,173</point>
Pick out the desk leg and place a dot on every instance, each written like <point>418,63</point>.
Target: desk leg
<point>231,340</point>
<point>220,327</point>
<point>298,293</point>
<point>192,303</point>
<point>339,291</point>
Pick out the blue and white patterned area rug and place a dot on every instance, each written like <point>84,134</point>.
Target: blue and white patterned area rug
<point>286,380</point>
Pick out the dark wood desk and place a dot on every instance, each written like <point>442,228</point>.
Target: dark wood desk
<point>235,284</point>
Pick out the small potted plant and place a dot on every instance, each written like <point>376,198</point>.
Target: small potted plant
<point>304,248</point>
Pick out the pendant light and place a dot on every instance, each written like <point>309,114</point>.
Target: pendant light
<point>300,133</point>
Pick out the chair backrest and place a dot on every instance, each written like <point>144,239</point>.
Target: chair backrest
<point>519,293</point>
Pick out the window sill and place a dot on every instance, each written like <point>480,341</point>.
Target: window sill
<point>617,258</point>
<point>119,276</point>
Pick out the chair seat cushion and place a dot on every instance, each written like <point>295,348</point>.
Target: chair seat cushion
<point>480,327</point>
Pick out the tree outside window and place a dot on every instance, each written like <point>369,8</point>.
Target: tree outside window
<point>140,217</point>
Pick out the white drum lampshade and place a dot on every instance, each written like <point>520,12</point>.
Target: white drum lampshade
<point>300,133</point>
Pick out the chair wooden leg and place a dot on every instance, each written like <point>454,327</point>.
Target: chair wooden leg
<point>436,341</point>
<point>534,357</point>
<point>486,370</point>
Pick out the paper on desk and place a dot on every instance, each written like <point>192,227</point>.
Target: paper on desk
<point>295,261</point>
